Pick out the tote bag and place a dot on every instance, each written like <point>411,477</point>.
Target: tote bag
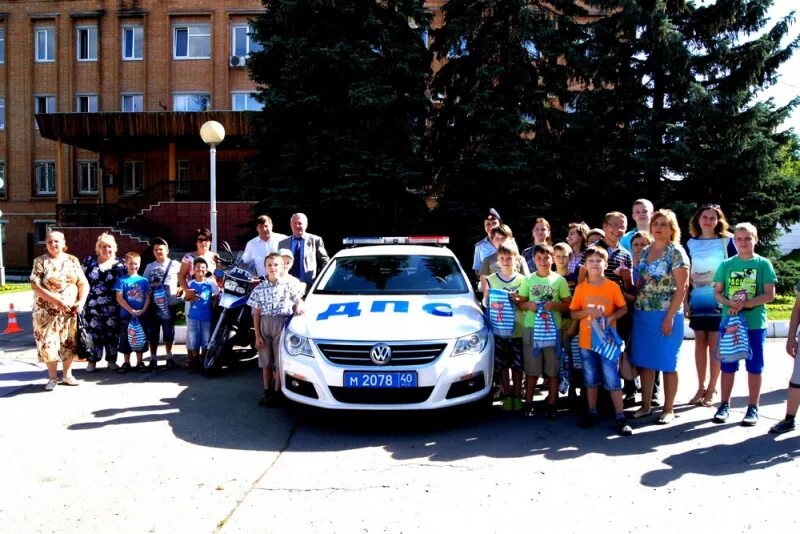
<point>501,312</point>
<point>545,333</point>
<point>575,354</point>
<point>136,336</point>
<point>733,344</point>
<point>605,340</point>
<point>161,297</point>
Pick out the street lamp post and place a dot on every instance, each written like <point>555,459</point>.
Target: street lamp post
<point>212,134</point>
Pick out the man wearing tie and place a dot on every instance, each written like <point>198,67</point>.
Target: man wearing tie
<point>310,256</point>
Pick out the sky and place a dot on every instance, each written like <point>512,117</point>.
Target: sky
<point>788,85</point>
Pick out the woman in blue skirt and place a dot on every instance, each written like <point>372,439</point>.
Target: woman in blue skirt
<point>663,272</point>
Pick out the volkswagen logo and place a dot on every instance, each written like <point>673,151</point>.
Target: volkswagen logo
<point>380,354</point>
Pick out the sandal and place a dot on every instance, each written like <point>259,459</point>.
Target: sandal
<point>698,397</point>
<point>641,412</point>
<point>666,418</point>
<point>708,398</point>
<point>69,380</point>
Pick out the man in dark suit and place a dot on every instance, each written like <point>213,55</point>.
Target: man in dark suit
<point>310,256</point>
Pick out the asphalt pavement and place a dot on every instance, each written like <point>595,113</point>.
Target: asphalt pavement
<point>171,452</point>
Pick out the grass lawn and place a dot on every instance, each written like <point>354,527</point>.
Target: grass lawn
<point>15,287</point>
<point>780,309</point>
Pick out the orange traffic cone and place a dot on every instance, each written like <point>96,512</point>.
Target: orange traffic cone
<point>13,327</point>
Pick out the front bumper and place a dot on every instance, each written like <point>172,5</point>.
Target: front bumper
<point>447,381</point>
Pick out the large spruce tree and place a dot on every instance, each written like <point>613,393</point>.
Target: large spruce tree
<point>343,83</point>
<point>500,92</point>
<point>670,110</point>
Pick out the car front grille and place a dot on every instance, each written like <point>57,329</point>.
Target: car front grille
<point>357,354</point>
<point>381,396</point>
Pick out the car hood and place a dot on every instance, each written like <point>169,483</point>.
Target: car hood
<point>390,318</point>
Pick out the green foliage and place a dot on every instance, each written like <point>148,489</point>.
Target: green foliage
<point>788,272</point>
<point>495,135</point>
<point>344,90</point>
<point>535,114</point>
<point>671,113</point>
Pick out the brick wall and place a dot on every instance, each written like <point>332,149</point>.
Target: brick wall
<point>81,240</point>
<point>183,218</point>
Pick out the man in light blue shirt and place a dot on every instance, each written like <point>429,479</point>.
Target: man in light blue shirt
<point>484,247</point>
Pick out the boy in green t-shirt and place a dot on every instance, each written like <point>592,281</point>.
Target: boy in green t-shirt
<point>744,284</point>
<point>508,351</point>
<point>552,291</point>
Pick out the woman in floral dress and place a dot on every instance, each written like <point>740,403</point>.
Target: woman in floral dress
<point>60,288</point>
<point>663,271</point>
<point>102,312</point>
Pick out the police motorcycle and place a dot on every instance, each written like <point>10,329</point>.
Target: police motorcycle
<point>234,324</point>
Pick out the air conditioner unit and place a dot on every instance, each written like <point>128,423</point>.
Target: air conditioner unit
<point>237,61</point>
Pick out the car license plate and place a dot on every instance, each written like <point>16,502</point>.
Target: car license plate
<point>383,379</point>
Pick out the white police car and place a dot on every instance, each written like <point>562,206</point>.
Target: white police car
<point>391,326</point>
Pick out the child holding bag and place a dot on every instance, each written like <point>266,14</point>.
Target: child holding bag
<point>133,297</point>
<point>594,298</point>
<point>544,295</point>
<point>744,284</point>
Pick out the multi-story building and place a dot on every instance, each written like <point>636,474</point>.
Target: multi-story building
<point>101,101</point>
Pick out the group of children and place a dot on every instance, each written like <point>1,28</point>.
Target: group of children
<point>134,294</point>
<point>574,307</point>
<point>273,301</point>
<point>546,291</point>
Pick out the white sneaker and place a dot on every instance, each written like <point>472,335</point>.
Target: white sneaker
<point>112,366</point>
<point>51,384</point>
<point>91,367</point>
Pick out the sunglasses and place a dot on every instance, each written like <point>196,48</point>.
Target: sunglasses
<point>709,206</point>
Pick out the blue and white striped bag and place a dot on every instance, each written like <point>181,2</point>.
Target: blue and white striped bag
<point>136,336</point>
<point>545,332</point>
<point>733,344</point>
<point>501,312</point>
<point>605,340</point>
<point>575,353</point>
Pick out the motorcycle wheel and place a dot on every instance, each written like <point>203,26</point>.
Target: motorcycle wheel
<point>213,356</point>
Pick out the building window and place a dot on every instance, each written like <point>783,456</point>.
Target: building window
<point>2,45</point>
<point>87,43</point>
<point>43,104</point>
<point>87,176</point>
<point>132,43</point>
<point>45,177</point>
<point>133,181</point>
<point>45,45</point>
<point>133,103</point>
<point>2,113</point>
<point>2,179</point>
<point>192,42</point>
<point>86,104</point>
<point>191,102</point>
<point>243,43</point>
<point>182,177</point>
<point>40,229</point>
<point>245,102</point>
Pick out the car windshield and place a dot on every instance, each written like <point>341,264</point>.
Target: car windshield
<point>402,274</point>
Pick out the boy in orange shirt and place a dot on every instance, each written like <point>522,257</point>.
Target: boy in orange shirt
<point>594,298</point>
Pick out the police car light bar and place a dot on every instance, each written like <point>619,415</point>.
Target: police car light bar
<point>405,240</point>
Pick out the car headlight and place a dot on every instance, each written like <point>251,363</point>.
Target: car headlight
<point>297,345</point>
<point>474,342</point>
